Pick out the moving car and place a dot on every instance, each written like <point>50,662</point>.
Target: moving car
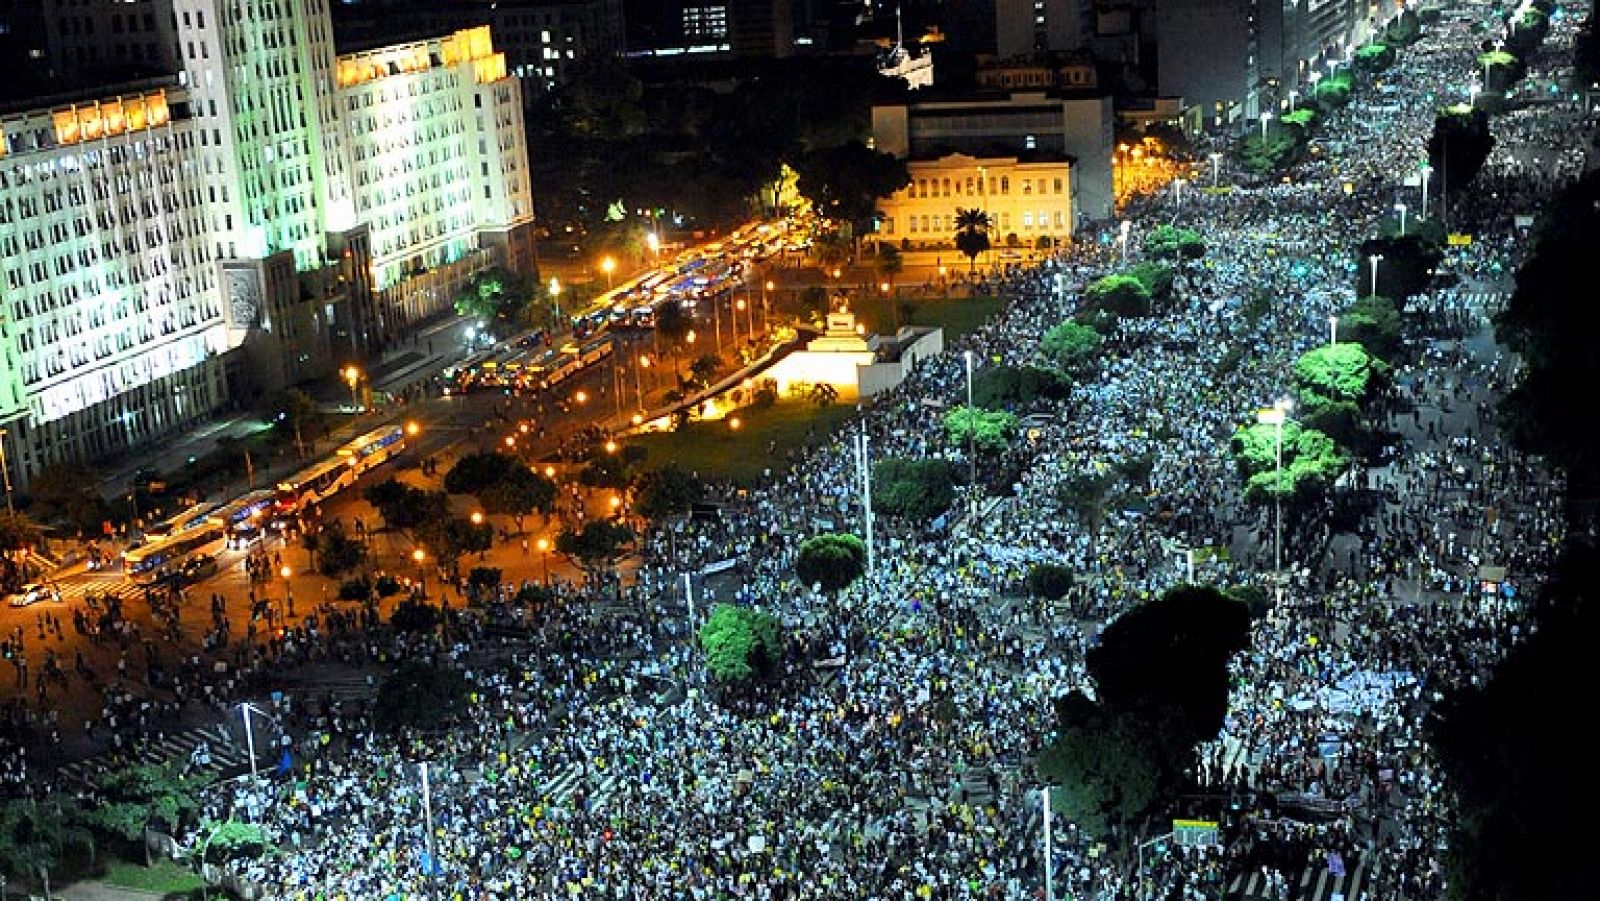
<point>33,593</point>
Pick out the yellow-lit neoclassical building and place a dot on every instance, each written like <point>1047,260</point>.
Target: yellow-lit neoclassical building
<point>1028,197</point>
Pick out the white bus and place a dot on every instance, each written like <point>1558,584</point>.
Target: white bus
<point>315,484</point>
<point>375,447</point>
<point>158,559</point>
<point>245,518</point>
<point>191,518</point>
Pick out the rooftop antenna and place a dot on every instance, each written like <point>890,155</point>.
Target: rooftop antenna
<point>899,34</point>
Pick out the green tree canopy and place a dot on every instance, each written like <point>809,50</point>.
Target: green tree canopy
<point>1374,57</point>
<point>294,414</point>
<point>845,183</point>
<point>1157,278</point>
<point>1000,386</point>
<point>66,493</point>
<point>518,493</point>
<point>337,552</point>
<point>831,560</point>
<point>917,490</point>
<point>475,472</point>
<point>1459,146</point>
<point>596,547</point>
<point>1117,295</point>
<point>1167,242</point>
<point>667,492</point>
<point>990,431</point>
<point>1070,346</point>
<point>1405,267</point>
<point>1338,372</point>
<point>420,695</point>
<point>741,643</point>
<point>1311,462</point>
<point>404,507</point>
<point>1048,580</point>
<point>498,299</point>
<point>1373,323</point>
<point>1106,767</point>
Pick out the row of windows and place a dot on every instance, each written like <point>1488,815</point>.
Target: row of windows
<point>973,187</point>
<point>940,224</point>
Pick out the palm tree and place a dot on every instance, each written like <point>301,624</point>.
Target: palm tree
<point>972,234</point>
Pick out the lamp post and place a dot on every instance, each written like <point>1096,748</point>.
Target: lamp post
<point>427,823</point>
<point>417,556</point>
<point>249,740</point>
<point>653,240</point>
<point>864,481</point>
<point>1427,173</point>
<point>1333,330</point>
<point>1265,118</point>
<point>1216,168</point>
<point>1277,415</point>
<point>608,266</point>
<point>5,472</point>
<point>1123,230</point>
<point>766,307</point>
<point>1049,847</point>
<point>352,376</point>
<point>544,553</point>
<point>1293,96</point>
<point>638,380</point>
<point>972,431</point>
<point>555,298</point>
<point>1375,259</point>
<point>1401,209</point>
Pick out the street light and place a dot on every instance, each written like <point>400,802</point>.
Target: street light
<point>1124,228</point>
<point>608,266</point>
<point>638,381</point>
<point>477,517</point>
<point>1333,330</point>
<point>1276,415</point>
<point>1375,259</point>
<point>417,556</point>
<point>413,429</point>
<point>1265,118</point>
<point>972,460</point>
<point>352,375</point>
<point>555,296</point>
<point>5,472</point>
<point>1427,173</point>
<point>1293,96</point>
<point>1216,166</point>
<point>653,240</point>
<point>544,550</point>
<point>1401,209</point>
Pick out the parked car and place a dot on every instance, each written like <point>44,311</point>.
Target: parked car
<point>33,593</point>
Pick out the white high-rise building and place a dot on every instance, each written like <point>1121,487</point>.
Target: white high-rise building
<point>274,199</point>
<point>111,322</point>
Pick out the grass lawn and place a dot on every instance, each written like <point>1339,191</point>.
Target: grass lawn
<point>165,877</point>
<point>716,451</point>
<point>956,315</point>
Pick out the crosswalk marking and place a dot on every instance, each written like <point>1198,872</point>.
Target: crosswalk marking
<point>78,589</point>
<point>171,749</point>
<point>1316,883</point>
<point>565,784</point>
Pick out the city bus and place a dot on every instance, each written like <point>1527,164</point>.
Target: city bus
<point>244,519</point>
<point>158,559</point>
<point>315,484</point>
<point>375,447</point>
<point>193,517</point>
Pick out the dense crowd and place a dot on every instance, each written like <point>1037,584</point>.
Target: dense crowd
<point>891,759</point>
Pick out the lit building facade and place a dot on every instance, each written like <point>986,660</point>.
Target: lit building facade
<point>111,326</point>
<point>1026,199</point>
<point>293,207</point>
<point>1050,127</point>
<point>440,160</point>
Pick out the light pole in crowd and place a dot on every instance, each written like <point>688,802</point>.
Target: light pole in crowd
<point>1049,847</point>
<point>1265,118</point>
<point>1375,259</point>
<point>417,556</point>
<point>1293,96</point>
<point>1177,191</point>
<point>1401,209</point>
<point>427,824</point>
<point>688,596</point>
<point>864,477</point>
<point>1427,173</point>
<point>555,298</point>
<point>1277,415</point>
<point>766,306</point>
<point>1216,168</point>
<point>653,240</point>
<point>1333,331</point>
<point>608,266</point>
<point>638,380</point>
<point>543,545</point>
<point>1124,228</point>
<point>972,432</point>
<point>1472,93</point>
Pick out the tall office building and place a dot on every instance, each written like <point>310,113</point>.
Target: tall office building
<point>111,326</point>
<point>1208,53</point>
<point>268,213</point>
<point>1027,27</point>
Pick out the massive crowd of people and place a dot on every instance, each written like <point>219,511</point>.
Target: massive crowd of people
<point>891,759</point>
